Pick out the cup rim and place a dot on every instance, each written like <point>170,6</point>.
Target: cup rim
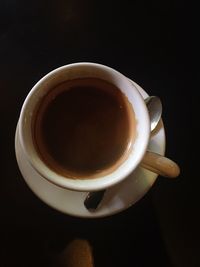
<point>91,184</point>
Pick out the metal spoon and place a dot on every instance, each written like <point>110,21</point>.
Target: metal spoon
<point>154,106</point>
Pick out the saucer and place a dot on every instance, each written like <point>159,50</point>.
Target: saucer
<point>116,198</point>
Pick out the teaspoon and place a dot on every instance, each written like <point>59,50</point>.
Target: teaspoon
<point>154,107</point>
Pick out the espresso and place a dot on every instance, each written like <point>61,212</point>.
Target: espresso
<point>83,128</point>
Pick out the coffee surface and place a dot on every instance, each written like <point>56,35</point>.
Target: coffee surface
<point>83,127</point>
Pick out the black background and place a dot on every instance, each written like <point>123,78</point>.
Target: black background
<point>152,43</point>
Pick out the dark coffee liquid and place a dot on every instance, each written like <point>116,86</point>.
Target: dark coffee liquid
<point>84,127</point>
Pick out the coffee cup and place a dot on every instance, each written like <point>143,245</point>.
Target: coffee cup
<point>85,127</point>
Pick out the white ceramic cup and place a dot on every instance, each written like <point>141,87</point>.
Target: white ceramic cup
<point>74,71</point>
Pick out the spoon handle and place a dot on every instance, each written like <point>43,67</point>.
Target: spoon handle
<point>93,199</point>
<point>160,165</point>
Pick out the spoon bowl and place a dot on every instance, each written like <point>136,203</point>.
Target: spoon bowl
<point>154,107</point>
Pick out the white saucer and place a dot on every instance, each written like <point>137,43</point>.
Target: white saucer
<point>116,199</point>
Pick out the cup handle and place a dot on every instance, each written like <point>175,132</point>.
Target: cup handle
<point>160,165</point>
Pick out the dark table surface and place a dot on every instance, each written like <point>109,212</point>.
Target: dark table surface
<point>151,43</point>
